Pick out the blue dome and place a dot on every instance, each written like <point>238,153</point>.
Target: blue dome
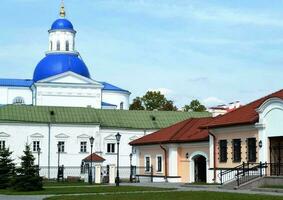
<point>54,64</point>
<point>62,24</point>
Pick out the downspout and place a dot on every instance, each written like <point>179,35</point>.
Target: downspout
<point>165,160</point>
<point>214,155</point>
<point>49,136</point>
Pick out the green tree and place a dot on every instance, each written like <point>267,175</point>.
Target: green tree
<point>27,176</point>
<point>153,100</point>
<point>195,106</point>
<point>6,168</point>
<point>137,104</point>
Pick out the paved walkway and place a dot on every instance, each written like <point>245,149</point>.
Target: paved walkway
<point>177,186</point>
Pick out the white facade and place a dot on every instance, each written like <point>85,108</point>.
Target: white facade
<point>16,135</point>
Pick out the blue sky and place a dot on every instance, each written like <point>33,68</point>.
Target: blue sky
<point>215,51</point>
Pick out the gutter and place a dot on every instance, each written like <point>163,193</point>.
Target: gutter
<point>165,160</point>
<point>214,155</point>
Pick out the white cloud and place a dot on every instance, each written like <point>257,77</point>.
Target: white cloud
<point>164,91</point>
<point>212,101</point>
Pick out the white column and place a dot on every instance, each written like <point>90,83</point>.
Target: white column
<point>173,160</point>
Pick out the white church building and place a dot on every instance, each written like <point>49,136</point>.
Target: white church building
<point>63,104</point>
<point>62,78</point>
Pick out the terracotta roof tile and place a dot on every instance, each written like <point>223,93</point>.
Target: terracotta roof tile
<point>185,131</point>
<point>95,158</point>
<point>244,115</point>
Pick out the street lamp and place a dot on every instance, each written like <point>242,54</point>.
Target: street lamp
<point>58,147</point>
<point>91,140</point>
<point>118,137</point>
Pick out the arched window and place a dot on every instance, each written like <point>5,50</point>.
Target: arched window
<point>67,46</point>
<point>58,46</point>
<point>51,46</point>
<point>121,105</point>
<point>18,100</point>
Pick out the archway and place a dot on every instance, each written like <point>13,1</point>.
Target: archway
<point>200,168</point>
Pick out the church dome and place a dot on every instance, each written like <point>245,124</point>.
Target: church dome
<point>54,64</point>
<point>63,23</point>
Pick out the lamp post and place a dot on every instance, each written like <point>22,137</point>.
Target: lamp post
<point>58,147</point>
<point>91,140</point>
<point>131,168</point>
<point>118,137</point>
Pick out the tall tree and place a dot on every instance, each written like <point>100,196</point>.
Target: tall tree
<point>137,104</point>
<point>195,106</point>
<point>6,168</point>
<point>27,176</point>
<point>153,100</point>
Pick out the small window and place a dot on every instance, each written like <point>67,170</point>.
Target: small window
<point>58,46</point>
<point>35,146</point>
<point>237,150</point>
<point>61,146</point>
<point>2,144</point>
<point>67,46</point>
<point>251,149</point>
<point>159,164</point>
<point>51,46</point>
<point>223,150</point>
<point>111,148</point>
<point>147,164</point>
<point>18,100</point>
<point>121,105</point>
<point>83,147</point>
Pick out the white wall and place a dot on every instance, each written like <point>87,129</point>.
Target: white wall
<point>61,36</point>
<point>7,94</point>
<point>17,135</point>
<point>115,97</point>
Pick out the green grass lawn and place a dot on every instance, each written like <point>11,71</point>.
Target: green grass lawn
<point>79,190</point>
<point>170,195</point>
<point>65,183</point>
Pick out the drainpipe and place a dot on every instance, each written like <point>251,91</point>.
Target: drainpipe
<point>49,136</point>
<point>165,160</point>
<point>214,155</point>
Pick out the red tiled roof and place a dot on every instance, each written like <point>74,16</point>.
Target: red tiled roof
<point>244,115</point>
<point>185,131</point>
<point>95,158</point>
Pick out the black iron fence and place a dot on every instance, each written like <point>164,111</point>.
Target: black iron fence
<point>249,171</point>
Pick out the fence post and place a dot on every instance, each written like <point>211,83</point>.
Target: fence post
<point>112,174</point>
<point>97,178</point>
<point>243,169</point>
<point>260,168</point>
<point>221,177</point>
<point>238,177</point>
<point>151,173</point>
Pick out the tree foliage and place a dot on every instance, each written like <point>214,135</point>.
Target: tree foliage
<point>153,100</point>
<point>195,106</point>
<point>6,168</point>
<point>27,176</point>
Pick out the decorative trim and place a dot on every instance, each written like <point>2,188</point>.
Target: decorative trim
<point>62,135</point>
<point>2,134</point>
<point>37,135</point>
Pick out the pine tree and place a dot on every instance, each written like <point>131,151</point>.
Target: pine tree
<point>6,168</point>
<point>27,176</point>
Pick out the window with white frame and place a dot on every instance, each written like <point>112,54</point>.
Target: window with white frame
<point>2,144</point>
<point>147,163</point>
<point>83,147</point>
<point>111,148</point>
<point>159,163</point>
<point>61,146</point>
<point>35,146</point>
